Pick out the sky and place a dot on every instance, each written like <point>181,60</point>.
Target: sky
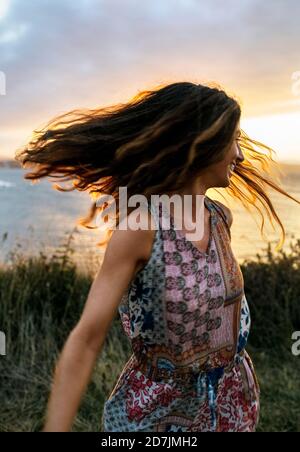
<point>63,54</point>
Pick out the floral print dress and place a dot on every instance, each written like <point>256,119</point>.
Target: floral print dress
<point>187,318</point>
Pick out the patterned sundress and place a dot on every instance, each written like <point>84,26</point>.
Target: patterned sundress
<point>187,318</point>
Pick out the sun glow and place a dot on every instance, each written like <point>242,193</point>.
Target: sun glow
<point>280,132</point>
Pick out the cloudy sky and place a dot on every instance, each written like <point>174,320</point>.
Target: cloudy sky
<point>56,55</point>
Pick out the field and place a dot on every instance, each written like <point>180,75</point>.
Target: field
<point>41,299</point>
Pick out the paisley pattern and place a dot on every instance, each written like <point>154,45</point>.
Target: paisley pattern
<point>188,321</point>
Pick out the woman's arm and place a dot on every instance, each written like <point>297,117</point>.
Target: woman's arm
<point>126,251</point>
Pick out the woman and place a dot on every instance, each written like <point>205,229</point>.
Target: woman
<point>181,302</point>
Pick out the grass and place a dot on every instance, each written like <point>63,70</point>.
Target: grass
<point>42,297</point>
<point>280,392</point>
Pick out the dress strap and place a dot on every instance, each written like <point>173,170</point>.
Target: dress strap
<point>215,205</point>
<point>155,211</point>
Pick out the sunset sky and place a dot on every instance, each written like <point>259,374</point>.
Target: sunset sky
<point>63,54</point>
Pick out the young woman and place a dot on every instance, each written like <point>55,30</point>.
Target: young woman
<point>181,302</point>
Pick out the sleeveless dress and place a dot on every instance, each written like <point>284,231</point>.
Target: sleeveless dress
<point>187,318</point>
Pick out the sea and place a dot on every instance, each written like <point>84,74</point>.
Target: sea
<point>35,217</point>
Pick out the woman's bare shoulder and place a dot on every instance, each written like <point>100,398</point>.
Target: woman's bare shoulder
<point>134,236</point>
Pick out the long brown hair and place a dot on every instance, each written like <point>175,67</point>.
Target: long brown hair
<point>152,144</point>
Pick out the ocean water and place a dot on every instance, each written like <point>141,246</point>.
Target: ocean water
<point>35,217</point>
<point>246,235</point>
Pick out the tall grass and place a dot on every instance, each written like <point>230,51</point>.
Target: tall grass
<point>272,286</point>
<point>42,297</point>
